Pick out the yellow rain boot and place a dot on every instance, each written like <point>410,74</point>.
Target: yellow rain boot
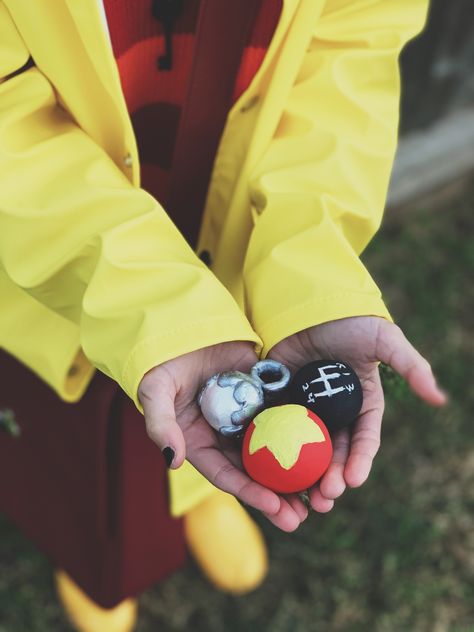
<point>226,543</point>
<point>87,616</point>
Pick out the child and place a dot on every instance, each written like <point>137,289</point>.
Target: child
<point>297,191</point>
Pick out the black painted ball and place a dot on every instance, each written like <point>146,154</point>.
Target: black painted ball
<point>329,388</point>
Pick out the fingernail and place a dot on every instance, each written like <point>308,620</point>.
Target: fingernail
<point>168,453</point>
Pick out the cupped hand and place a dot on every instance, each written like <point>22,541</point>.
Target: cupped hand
<point>363,342</point>
<point>174,420</point>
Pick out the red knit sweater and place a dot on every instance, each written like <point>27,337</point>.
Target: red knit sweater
<point>155,97</point>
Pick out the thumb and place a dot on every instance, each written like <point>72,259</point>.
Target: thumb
<point>161,424</point>
<point>395,350</point>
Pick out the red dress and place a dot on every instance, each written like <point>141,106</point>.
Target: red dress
<point>83,481</point>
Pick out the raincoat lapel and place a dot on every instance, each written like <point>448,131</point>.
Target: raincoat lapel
<point>89,25</point>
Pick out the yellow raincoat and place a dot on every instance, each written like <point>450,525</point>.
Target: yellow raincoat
<point>92,271</point>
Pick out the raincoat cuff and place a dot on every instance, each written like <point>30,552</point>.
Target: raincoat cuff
<point>155,350</point>
<point>316,312</point>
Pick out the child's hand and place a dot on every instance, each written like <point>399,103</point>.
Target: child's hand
<point>174,420</point>
<point>361,341</point>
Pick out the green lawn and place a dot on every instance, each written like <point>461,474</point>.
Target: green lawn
<point>396,555</point>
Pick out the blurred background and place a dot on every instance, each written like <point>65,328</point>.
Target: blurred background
<point>397,554</point>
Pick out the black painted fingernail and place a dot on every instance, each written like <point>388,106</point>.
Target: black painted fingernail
<point>168,453</point>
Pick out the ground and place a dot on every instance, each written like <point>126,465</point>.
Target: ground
<point>395,555</point>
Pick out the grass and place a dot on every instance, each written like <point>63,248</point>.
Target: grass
<point>395,555</point>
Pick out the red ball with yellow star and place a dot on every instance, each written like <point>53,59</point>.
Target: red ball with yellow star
<point>286,448</point>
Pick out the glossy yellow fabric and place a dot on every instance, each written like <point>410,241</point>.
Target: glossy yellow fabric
<point>92,271</point>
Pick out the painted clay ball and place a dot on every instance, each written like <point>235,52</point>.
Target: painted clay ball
<point>229,400</point>
<point>329,388</point>
<point>286,448</point>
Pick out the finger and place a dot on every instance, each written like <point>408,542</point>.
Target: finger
<point>283,519</point>
<point>217,468</point>
<point>297,505</point>
<point>393,349</point>
<point>235,457</point>
<point>365,440</point>
<point>286,518</point>
<point>332,484</point>
<point>320,503</point>
<point>161,424</point>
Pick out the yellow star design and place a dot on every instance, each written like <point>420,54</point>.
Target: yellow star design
<point>284,430</point>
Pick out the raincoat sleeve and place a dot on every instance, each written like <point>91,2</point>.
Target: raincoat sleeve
<point>81,240</point>
<point>319,190</point>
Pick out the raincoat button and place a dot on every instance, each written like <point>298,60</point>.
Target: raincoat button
<point>128,160</point>
<point>73,371</point>
<point>205,257</point>
<point>250,103</point>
